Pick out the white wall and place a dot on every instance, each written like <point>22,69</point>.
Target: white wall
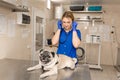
<point>16,42</point>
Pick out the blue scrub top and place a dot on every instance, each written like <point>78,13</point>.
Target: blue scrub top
<point>65,43</point>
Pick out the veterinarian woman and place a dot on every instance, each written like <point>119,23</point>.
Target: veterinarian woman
<point>67,36</point>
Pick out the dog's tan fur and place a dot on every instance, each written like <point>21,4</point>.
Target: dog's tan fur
<point>62,60</point>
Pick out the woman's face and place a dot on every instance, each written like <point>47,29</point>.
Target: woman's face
<point>66,23</point>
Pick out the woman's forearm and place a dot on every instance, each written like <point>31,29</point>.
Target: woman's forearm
<point>55,38</point>
<point>75,40</point>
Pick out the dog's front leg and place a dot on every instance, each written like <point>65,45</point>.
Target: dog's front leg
<point>38,66</point>
<point>34,67</point>
<point>52,71</point>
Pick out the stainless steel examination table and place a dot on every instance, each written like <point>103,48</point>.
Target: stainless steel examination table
<point>16,70</point>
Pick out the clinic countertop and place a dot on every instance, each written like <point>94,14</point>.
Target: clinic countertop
<point>16,70</point>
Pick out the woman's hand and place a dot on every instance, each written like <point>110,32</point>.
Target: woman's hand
<point>74,25</point>
<point>59,24</point>
<point>75,39</point>
<point>55,38</point>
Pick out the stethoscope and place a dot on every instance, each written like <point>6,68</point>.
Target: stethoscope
<point>66,37</point>
<point>62,42</point>
<point>66,33</point>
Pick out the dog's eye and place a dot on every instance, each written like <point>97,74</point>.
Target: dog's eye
<point>48,56</point>
<point>41,54</point>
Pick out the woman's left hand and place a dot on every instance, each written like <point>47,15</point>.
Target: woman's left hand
<point>74,25</point>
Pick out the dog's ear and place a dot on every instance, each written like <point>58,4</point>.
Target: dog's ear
<point>53,54</point>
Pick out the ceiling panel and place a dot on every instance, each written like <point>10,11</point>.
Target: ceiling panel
<point>86,1</point>
<point>77,1</point>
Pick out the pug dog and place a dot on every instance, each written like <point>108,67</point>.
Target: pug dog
<point>50,62</point>
<point>47,61</point>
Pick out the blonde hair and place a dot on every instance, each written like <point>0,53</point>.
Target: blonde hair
<point>68,14</point>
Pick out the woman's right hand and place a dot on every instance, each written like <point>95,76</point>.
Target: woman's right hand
<point>59,24</point>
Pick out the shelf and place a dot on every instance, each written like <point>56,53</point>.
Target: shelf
<point>87,11</point>
<point>95,67</point>
<point>88,17</point>
<point>89,20</point>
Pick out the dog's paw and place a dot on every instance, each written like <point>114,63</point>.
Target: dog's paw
<point>30,69</point>
<point>75,60</point>
<point>42,76</point>
<point>72,67</point>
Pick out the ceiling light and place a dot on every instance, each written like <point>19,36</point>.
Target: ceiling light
<point>48,4</point>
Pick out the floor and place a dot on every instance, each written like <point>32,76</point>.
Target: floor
<point>108,73</point>
<point>16,70</point>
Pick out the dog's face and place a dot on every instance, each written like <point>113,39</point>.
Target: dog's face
<point>46,56</point>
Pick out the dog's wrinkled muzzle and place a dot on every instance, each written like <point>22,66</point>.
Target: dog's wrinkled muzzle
<point>45,59</point>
